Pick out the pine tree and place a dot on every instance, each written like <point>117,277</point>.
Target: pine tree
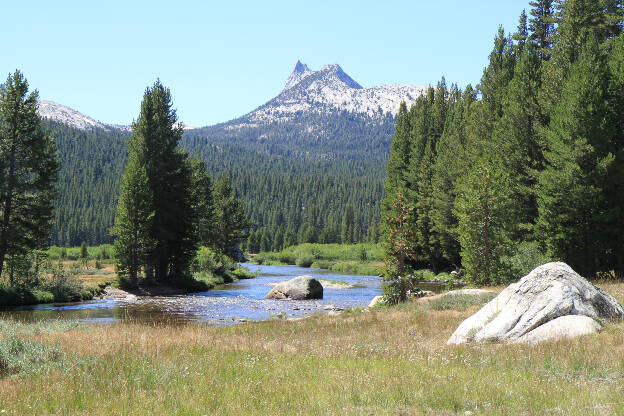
<point>518,135</point>
<point>83,253</point>
<point>203,204</point>
<point>522,35</point>
<point>541,26</point>
<point>232,224</point>
<point>483,207</point>
<point>450,165</point>
<point>423,207</point>
<point>156,144</point>
<point>28,168</point>
<point>571,197</point>
<point>348,224</point>
<point>614,187</point>
<point>133,223</point>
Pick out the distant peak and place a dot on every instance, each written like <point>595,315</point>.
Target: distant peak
<point>299,72</point>
<point>300,68</point>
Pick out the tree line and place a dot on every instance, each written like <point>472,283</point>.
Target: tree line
<point>532,156</point>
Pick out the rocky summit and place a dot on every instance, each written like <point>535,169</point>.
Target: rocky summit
<point>532,309</point>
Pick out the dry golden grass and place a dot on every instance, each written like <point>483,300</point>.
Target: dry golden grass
<point>392,361</point>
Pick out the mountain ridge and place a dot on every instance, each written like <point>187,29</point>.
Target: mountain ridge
<point>327,91</point>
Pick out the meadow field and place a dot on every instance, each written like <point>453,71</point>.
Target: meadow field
<point>389,360</point>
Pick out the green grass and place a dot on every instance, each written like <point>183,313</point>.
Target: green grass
<point>459,302</point>
<point>335,282</point>
<point>387,361</point>
<point>364,259</point>
<point>103,252</point>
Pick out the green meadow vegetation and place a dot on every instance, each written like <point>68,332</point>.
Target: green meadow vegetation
<point>364,258</point>
<point>390,360</point>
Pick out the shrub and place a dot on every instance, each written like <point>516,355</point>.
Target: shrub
<point>399,285</point>
<point>18,355</point>
<point>207,261</point>
<point>64,287</point>
<point>242,273</point>
<point>305,260</point>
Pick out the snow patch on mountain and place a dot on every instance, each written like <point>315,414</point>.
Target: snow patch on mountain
<point>63,114</point>
<point>327,91</point>
<point>299,72</point>
<point>71,117</point>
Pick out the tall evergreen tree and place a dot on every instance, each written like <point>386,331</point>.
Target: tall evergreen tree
<point>518,135</point>
<point>133,223</point>
<point>484,208</point>
<point>571,197</point>
<point>232,224</point>
<point>348,224</point>
<point>541,26</point>
<point>423,207</point>
<point>28,168</point>
<point>450,165</point>
<point>203,204</point>
<point>156,143</point>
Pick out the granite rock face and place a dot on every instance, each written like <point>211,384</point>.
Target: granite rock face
<point>550,291</point>
<point>569,326</point>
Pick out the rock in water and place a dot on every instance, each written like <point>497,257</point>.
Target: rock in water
<point>299,288</point>
<point>550,291</point>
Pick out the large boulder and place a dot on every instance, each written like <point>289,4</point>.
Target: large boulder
<point>550,291</point>
<point>569,326</point>
<point>299,288</point>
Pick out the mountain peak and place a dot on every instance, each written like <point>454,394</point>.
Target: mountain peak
<point>299,72</point>
<point>336,71</point>
<point>58,112</point>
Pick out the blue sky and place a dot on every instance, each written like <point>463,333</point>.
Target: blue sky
<point>222,59</point>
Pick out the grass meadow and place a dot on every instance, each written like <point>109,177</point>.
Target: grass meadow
<point>391,360</point>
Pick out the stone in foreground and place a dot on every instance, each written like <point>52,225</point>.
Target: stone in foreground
<point>550,291</point>
<point>376,301</point>
<point>299,288</point>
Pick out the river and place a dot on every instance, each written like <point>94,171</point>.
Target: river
<point>232,303</point>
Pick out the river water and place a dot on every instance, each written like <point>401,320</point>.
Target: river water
<point>236,302</point>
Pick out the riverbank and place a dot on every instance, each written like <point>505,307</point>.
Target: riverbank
<point>391,360</point>
<point>76,281</point>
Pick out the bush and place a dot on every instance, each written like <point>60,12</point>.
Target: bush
<point>242,273</point>
<point>207,261</point>
<point>399,285</point>
<point>305,260</point>
<point>64,287</point>
<point>18,355</point>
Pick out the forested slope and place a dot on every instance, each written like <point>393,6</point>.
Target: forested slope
<point>290,197</point>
